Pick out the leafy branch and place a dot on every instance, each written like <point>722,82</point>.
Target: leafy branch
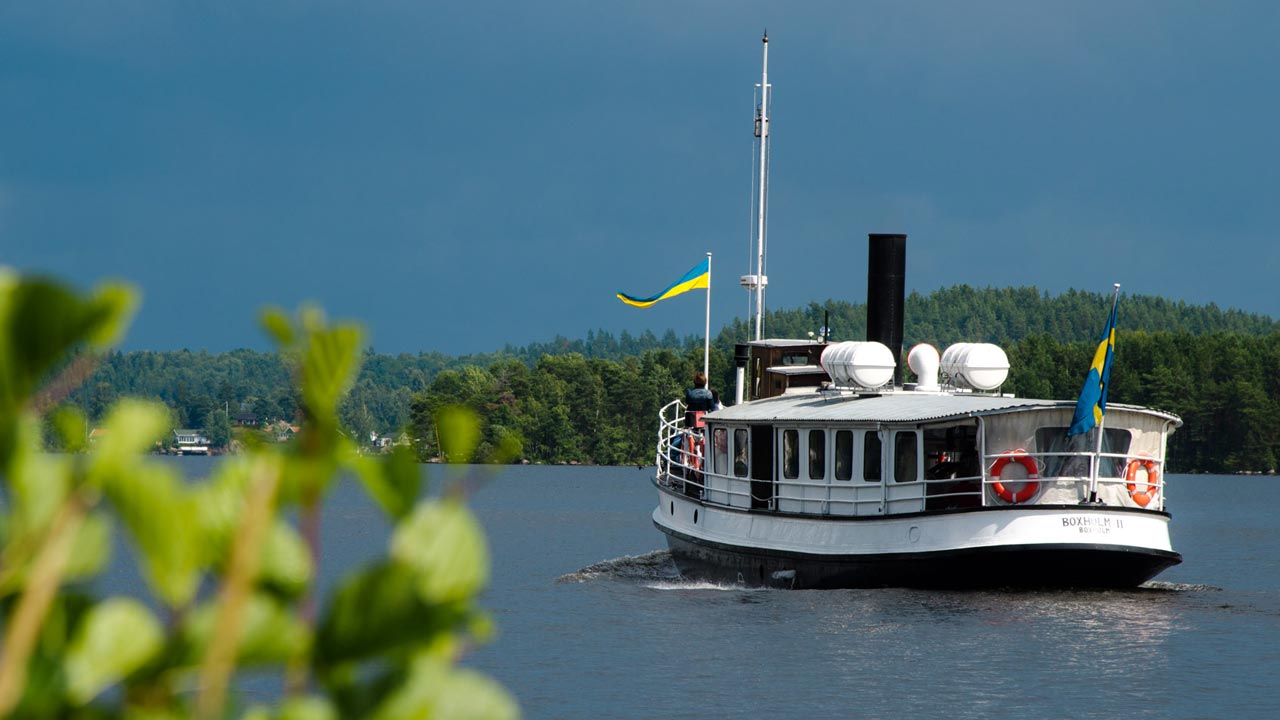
<point>234,577</point>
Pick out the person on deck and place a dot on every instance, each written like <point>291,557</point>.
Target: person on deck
<point>697,399</point>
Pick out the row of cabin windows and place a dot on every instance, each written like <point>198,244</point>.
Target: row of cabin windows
<point>951,452</point>
<point>904,449</point>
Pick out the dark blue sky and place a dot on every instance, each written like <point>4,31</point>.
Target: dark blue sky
<point>464,175</point>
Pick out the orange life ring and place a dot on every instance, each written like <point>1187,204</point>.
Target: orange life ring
<point>1144,497</point>
<point>693,452</point>
<point>1029,488</point>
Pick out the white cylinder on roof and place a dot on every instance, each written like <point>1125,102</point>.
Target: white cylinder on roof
<point>980,366</point>
<point>923,361</point>
<point>862,364</point>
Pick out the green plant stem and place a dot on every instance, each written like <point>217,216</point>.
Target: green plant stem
<point>219,662</point>
<point>33,606</point>
<point>298,673</point>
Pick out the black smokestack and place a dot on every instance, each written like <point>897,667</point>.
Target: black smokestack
<point>886,282</point>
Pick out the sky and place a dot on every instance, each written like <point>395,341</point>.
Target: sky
<point>460,176</point>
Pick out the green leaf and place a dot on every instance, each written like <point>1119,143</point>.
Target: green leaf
<point>70,424</point>
<point>444,543</point>
<point>379,610</point>
<point>329,365</point>
<point>459,430</point>
<point>161,519</point>
<point>92,547</point>
<point>114,305</point>
<point>306,475</point>
<point>393,481</point>
<point>217,504</point>
<point>130,429</point>
<point>276,322</point>
<point>434,689</point>
<point>118,636</point>
<point>39,482</point>
<point>42,321</point>
<point>286,560</point>
<point>269,633</point>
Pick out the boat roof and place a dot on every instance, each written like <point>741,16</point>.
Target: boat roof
<point>893,407</point>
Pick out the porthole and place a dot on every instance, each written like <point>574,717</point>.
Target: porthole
<point>695,516</point>
<point>673,508</point>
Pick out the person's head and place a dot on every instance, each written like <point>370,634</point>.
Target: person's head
<point>699,380</point>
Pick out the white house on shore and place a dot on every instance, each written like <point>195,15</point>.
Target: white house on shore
<point>190,442</point>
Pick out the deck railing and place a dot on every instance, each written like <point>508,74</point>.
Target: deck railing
<point>683,466</point>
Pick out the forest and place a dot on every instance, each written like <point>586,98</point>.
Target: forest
<point>594,400</point>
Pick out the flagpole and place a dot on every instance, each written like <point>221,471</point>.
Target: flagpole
<point>706,335</point>
<point>1094,466</point>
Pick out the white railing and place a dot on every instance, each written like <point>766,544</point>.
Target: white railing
<point>680,451</point>
<point>1154,492</point>
<point>684,466</point>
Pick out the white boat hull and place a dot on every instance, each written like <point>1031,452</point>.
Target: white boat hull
<point>1017,546</point>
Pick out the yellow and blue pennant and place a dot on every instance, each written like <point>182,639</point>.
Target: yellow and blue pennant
<point>1093,396</point>
<point>698,277</point>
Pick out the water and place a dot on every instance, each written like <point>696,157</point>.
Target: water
<point>594,622</point>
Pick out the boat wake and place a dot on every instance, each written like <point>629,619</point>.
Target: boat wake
<point>703,585</point>
<point>1176,587</point>
<point>656,566</point>
<point>655,571</point>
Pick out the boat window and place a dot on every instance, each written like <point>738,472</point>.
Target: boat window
<point>1055,440</point>
<point>740,452</point>
<point>720,451</point>
<point>871,456</point>
<point>904,457</point>
<point>951,452</point>
<point>790,454</point>
<point>817,454</point>
<point>793,358</point>
<point>844,454</point>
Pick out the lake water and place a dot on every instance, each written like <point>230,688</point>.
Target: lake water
<point>594,623</point>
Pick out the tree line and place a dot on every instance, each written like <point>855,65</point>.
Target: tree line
<point>570,408</point>
<point>594,400</point>
<point>210,391</point>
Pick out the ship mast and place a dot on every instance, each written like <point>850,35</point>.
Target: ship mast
<point>757,282</point>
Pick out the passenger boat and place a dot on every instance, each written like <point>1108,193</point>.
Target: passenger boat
<point>830,471</point>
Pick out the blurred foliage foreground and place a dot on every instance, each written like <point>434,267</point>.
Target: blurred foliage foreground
<point>229,580</point>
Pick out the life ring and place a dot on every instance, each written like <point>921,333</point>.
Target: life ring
<point>693,455</point>
<point>1144,497</point>
<point>1029,488</point>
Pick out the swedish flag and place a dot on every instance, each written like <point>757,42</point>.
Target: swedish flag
<point>698,277</point>
<point>1093,396</point>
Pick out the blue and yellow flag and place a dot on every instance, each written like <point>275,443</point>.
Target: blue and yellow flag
<point>1093,397</point>
<point>698,277</point>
